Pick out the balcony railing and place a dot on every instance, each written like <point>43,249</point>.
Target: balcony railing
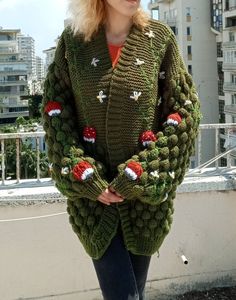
<point>13,93</point>
<point>15,82</point>
<point>229,45</point>
<point>229,87</point>
<point>230,109</point>
<point>7,103</point>
<point>11,115</point>
<point>230,131</point>
<point>229,66</point>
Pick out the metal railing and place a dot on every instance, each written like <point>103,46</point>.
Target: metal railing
<point>10,82</point>
<point>230,131</point>
<point>18,137</point>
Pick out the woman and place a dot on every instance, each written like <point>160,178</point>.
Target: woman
<point>121,115</point>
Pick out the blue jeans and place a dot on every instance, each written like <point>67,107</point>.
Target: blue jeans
<point>121,274</point>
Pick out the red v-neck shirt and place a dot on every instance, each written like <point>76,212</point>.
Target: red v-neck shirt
<point>114,53</point>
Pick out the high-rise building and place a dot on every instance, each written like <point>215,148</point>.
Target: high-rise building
<point>229,68</point>
<point>190,21</point>
<point>40,72</point>
<point>50,53</point>
<point>13,78</point>
<point>26,46</point>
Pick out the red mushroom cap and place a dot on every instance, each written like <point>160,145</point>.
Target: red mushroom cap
<point>147,137</point>
<point>82,170</point>
<point>53,108</point>
<point>89,134</point>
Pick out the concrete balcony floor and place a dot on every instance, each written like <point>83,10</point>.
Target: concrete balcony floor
<point>41,257</point>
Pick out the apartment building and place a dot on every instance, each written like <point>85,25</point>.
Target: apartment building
<point>13,78</point>
<point>229,68</point>
<point>26,46</point>
<point>190,21</point>
<point>50,53</point>
<point>40,72</point>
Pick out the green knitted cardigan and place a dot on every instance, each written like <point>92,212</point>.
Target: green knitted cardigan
<point>132,127</point>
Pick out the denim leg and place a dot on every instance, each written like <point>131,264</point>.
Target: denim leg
<point>115,272</point>
<point>140,265</point>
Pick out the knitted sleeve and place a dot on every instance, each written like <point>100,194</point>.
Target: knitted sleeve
<point>75,174</point>
<point>153,175</point>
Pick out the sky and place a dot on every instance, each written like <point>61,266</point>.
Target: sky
<point>43,20</point>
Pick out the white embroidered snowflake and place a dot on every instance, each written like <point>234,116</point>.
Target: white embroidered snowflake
<point>162,75</point>
<point>150,34</point>
<point>136,95</point>
<point>101,96</point>
<point>139,62</point>
<point>65,171</point>
<point>94,62</point>
<point>187,102</point>
<point>172,174</point>
<point>154,174</point>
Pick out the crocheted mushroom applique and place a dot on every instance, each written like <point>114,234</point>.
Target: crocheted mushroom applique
<point>89,134</point>
<point>133,170</point>
<point>147,137</point>
<point>174,119</point>
<point>82,171</point>
<point>53,108</point>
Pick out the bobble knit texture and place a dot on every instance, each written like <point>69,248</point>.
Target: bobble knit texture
<point>139,98</point>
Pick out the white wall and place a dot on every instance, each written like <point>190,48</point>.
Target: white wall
<point>44,258</point>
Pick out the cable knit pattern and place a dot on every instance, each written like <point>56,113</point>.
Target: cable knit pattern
<point>132,127</point>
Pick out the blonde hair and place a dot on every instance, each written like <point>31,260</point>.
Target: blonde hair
<point>89,15</point>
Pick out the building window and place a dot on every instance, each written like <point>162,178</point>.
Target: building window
<point>233,99</point>
<point>233,78</point>
<point>190,69</point>
<point>231,36</point>
<point>221,106</point>
<point>188,14</point>
<point>219,50</point>
<point>220,88</point>
<point>188,30</point>
<point>233,119</point>
<point>189,50</point>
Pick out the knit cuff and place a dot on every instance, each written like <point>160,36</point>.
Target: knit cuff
<point>127,188</point>
<point>91,188</point>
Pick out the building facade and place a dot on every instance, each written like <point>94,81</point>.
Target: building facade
<point>190,21</point>
<point>13,78</point>
<point>26,46</point>
<point>229,68</point>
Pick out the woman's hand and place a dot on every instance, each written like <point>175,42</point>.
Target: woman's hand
<point>110,196</point>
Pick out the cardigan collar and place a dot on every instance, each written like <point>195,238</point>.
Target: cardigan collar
<point>127,53</point>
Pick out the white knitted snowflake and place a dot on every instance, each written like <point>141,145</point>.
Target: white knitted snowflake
<point>150,34</point>
<point>139,62</point>
<point>162,75</point>
<point>172,174</point>
<point>187,102</point>
<point>135,95</point>
<point>155,174</point>
<point>94,62</point>
<point>65,171</point>
<point>101,96</point>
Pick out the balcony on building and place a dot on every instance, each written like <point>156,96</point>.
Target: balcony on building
<point>154,4</point>
<point>230,23</point>
<point>230,109</point>
<point>230,5</point>
<point>230,86</point>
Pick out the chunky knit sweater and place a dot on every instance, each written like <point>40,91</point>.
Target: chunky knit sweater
<point>131,127</point>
